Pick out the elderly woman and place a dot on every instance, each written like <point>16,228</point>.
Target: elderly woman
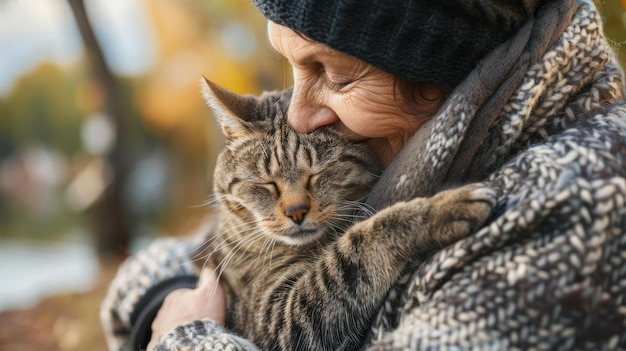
<point>525,95</point>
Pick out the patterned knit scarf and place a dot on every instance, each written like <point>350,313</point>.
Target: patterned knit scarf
<point>541,120</point>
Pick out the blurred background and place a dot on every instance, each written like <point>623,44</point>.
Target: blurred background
<point>105,142</point>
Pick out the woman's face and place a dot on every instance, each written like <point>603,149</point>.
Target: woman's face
<point>332,88</point>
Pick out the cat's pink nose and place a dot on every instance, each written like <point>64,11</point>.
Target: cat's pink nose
<point>297,213</point>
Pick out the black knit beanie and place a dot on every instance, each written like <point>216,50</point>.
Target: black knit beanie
<point>434,41</point>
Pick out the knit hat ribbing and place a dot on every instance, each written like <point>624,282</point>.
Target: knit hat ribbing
<point>437,41</point>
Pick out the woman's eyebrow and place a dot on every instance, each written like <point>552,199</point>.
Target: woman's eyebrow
<point>307,60</point>
<point>315,54</point>
<point>304,61</point>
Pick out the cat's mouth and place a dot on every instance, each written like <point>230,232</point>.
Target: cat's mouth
<point>302,236</point>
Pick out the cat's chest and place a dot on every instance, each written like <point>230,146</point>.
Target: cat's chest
<point>252,269</point>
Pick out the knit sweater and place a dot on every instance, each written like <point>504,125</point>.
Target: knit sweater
<point>548,272</point>
<point>542,121</point>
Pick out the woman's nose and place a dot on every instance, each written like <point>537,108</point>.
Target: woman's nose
<point>305,115</point>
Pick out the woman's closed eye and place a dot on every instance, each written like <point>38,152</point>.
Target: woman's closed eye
<point>333,81</point>
<point>337,83</point>
<point>337,86</point>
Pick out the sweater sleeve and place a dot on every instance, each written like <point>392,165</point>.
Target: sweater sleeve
<point>203,334</point>
<point>142,282</point>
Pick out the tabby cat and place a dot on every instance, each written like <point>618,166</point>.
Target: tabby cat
<point>295,278</point>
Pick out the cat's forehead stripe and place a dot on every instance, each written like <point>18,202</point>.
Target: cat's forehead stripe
<point>266,162</point>
<point>360,162</point>
<point>306,152</point>
<point>274,163</point>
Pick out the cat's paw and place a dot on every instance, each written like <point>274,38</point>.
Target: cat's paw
<point>456,213</point>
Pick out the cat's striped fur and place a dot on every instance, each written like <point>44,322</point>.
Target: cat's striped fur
<point>293,280</point>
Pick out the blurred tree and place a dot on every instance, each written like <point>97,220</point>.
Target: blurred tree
<point>109,217</point>
<point>41,110</point>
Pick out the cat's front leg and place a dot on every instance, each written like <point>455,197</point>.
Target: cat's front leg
<point>376,250</point>
<point>331,305</point>
<point>455,214</point>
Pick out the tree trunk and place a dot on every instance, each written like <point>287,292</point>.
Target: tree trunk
<point>108,215</point>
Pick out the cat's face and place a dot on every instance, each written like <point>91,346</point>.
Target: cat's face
<point>293,187</point>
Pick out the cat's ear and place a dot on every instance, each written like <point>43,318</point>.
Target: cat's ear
<point>232,111</point>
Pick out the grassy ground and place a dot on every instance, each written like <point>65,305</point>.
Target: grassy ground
<point>63,322</point>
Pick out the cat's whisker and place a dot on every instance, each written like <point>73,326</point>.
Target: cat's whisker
<point>246,241</point>
<point>205,244</point>
<point>358,205</point>
<point>264,248</point>
<point>271,244</point>
<point>252,235</point>
<point>201,255</point>
<point>274,240</point>
<point>212,200</point>
<point>196,253</point>
<point>345,218</point>
<point>261,257</point>
<point>216,285</point>
<point>375,176</point>
<point>226,243</point>
<point>233,231</point>
<point>338,229</point>
<point>333,228</point>
<point>268,244</point>
<point>206,203</point>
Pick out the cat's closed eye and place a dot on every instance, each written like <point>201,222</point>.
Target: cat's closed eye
<point>312,179</point>
<point>272,186</point>
<point>263,194</point>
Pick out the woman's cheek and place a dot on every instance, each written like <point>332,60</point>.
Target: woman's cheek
<point>354,114</point>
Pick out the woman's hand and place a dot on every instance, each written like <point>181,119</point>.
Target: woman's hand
<point>187,305</point>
